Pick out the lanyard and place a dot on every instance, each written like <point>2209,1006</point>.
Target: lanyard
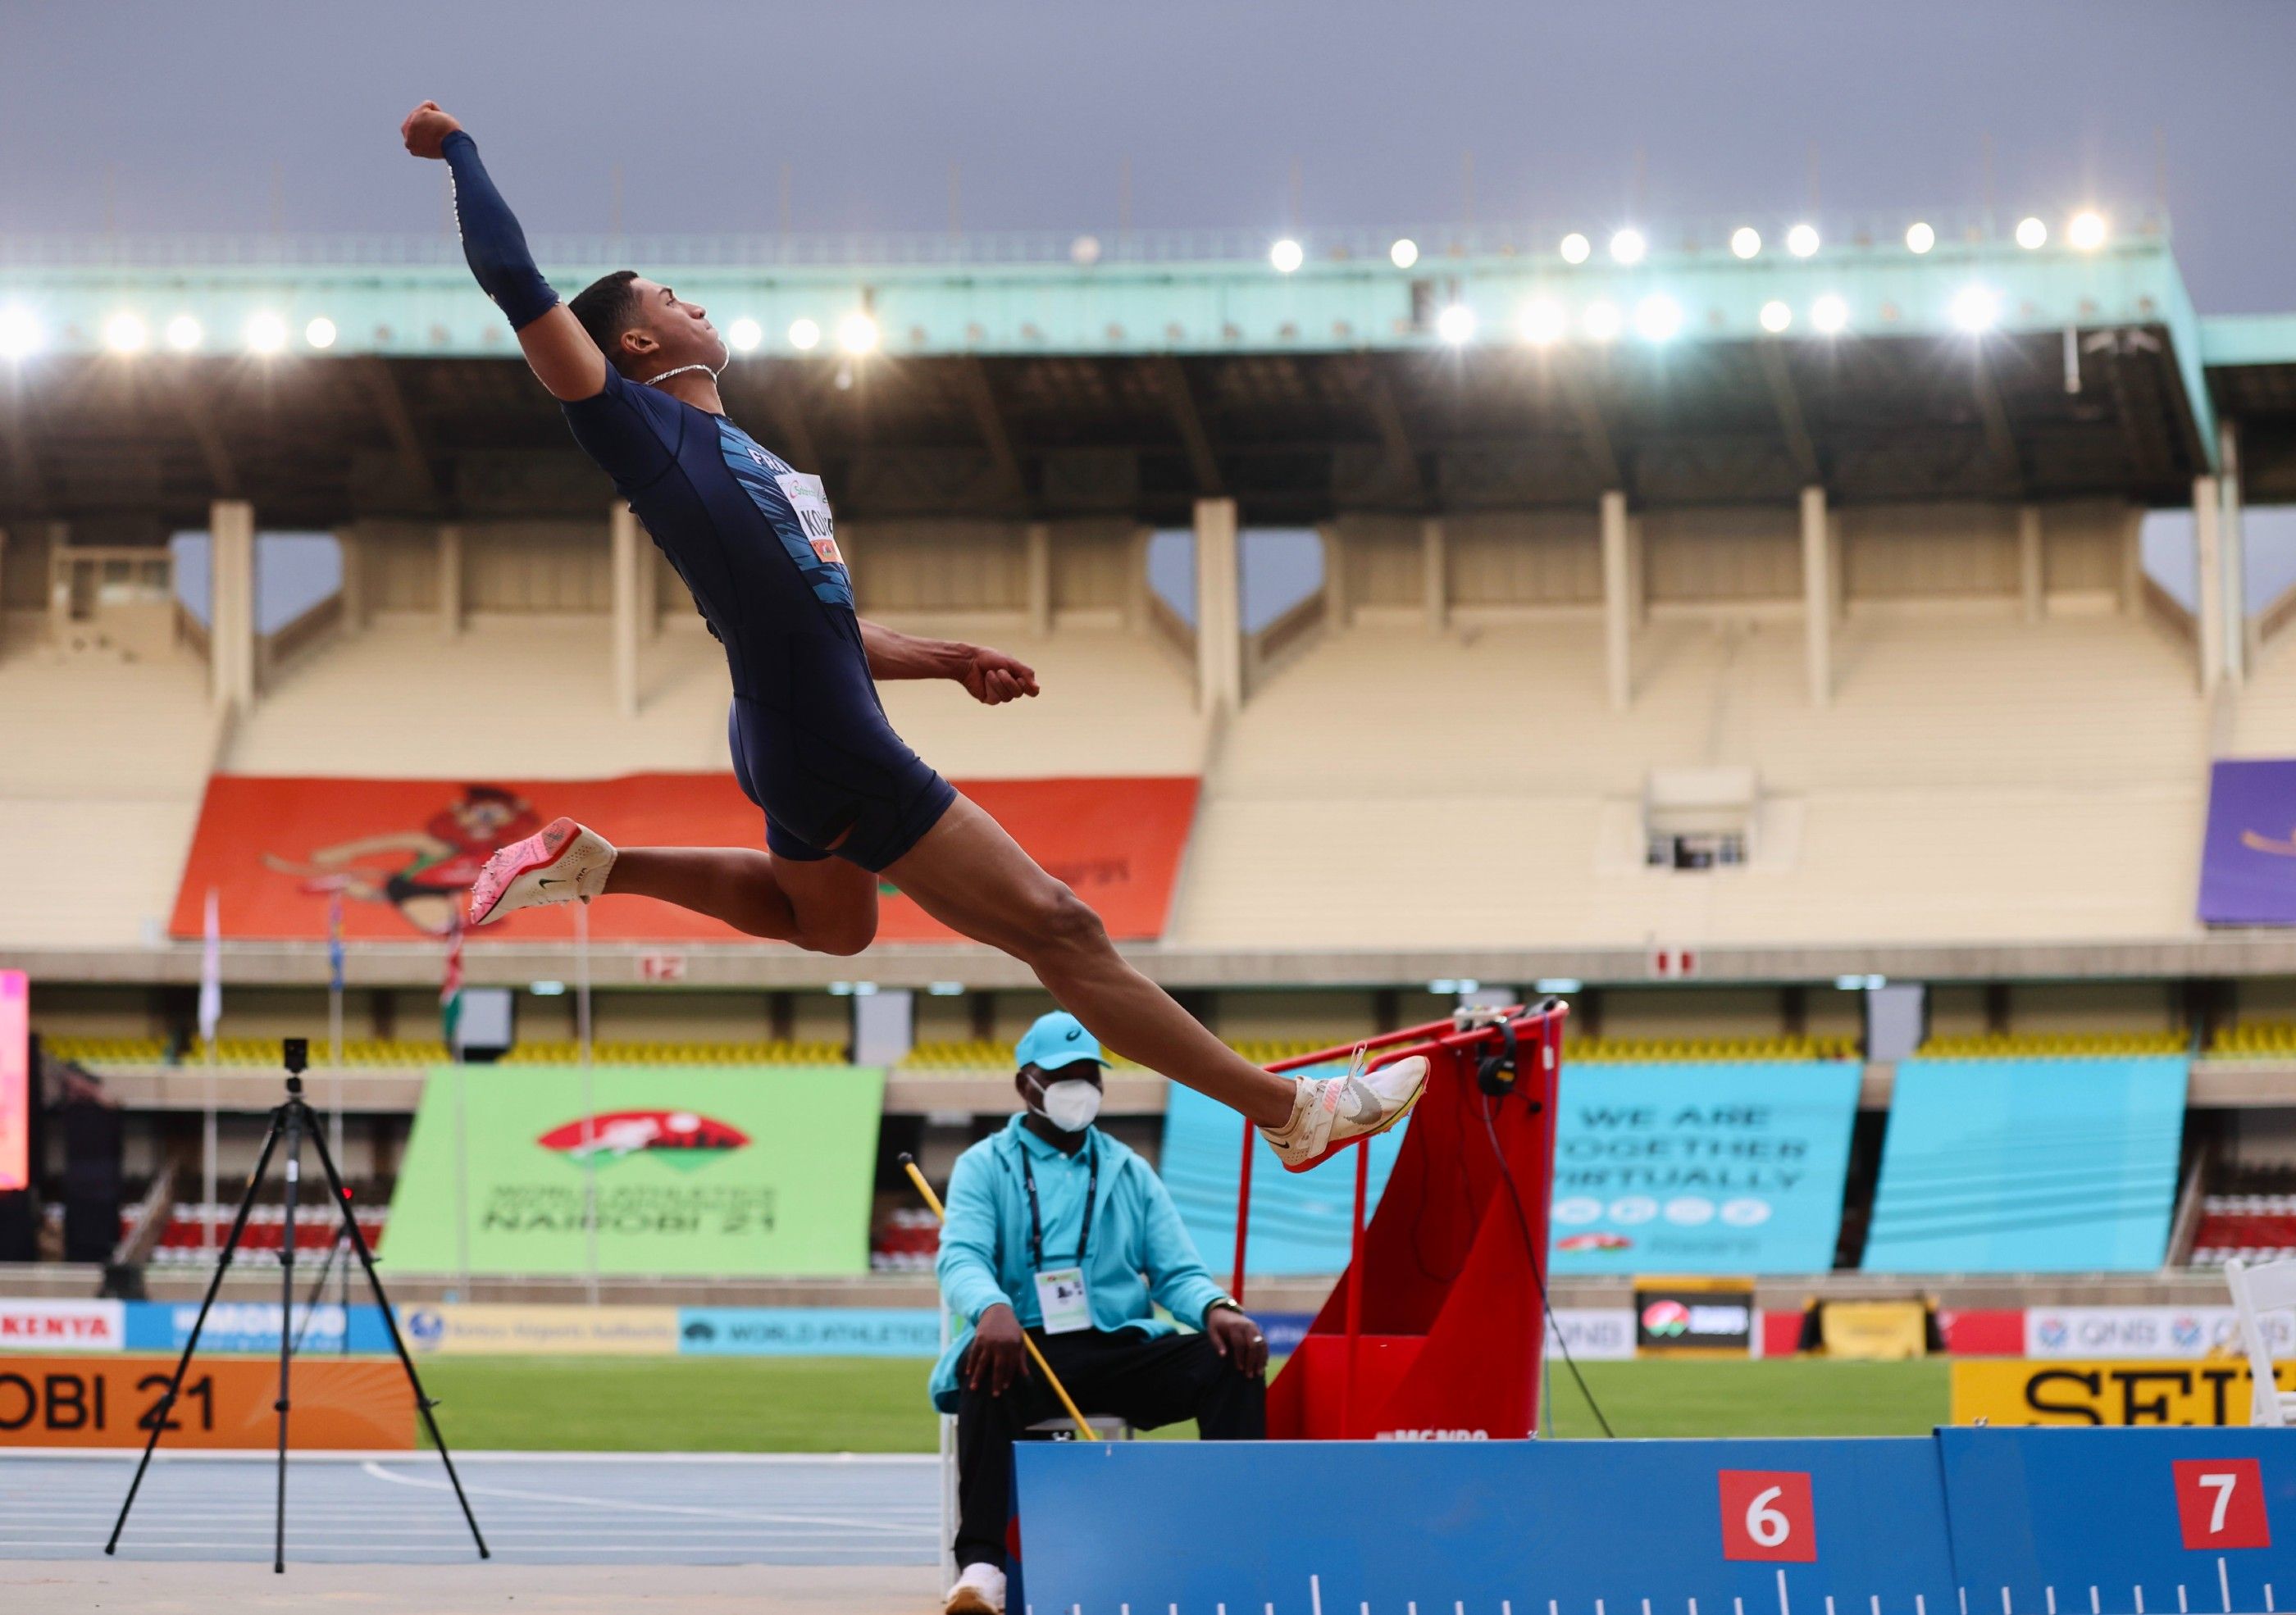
<point>1036,1223</point>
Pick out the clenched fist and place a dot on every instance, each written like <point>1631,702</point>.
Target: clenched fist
<point>426,129</point>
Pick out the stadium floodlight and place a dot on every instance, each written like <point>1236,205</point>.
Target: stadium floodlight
<point>1776,316</point>
<point>1851,984</point>
<point>1542,322</point>
<point>744,335</point>
<point>124,334</point>
<point>1975,309</point>
<point>1829,315</point>
<point>1084,251</point>
<point>1403,253</point>
<point>1287,255</point>
<point>320,332</point>
<point>1919,237</point>
<point>2087,231</point>
<point>1658,317</point>
<point>2032,234</point>
<point>1456,324</point>
<point>184,333</point>
<point>805,335</point>
<point>265,333</point>
<point>1603,321</point>
<point>857,333</point>
<point>1746,241</point>
<point>1801,240</point>
<point>548,990</point>
<point>840,990</point>
<point>1558,984</point>
<point>1628,246</point>
<point>20,333</point>
<point>946,989</point>
<point>1575,248</point>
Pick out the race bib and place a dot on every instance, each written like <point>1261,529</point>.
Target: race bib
<point>1061,1297</point>
<point>810,501</point>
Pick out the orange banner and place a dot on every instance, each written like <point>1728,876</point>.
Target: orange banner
<point>337,1404</point>
<point>404,852</point>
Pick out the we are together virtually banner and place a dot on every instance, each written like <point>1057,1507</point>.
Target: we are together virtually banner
<point>731,1171</point>
<point>1729,1167</point>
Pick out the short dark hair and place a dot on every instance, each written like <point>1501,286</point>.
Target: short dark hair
<point>608,307</point>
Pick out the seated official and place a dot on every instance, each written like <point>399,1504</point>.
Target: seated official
<point>1057,1228</point>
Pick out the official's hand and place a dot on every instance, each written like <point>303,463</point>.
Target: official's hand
<point>426,128</point>
<point>1238,1339</point>
<point>997,1356</point>
<point>993,678</point>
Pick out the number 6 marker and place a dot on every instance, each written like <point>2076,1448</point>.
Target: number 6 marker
<point>1766,1516</point>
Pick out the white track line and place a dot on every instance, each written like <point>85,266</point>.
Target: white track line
<point>620,1504</point>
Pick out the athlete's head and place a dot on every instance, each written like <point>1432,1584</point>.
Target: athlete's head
<point>644,328</point>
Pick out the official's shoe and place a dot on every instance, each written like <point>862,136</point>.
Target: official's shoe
<point>978,1591</point>
<point>1332,1112</point>
<point>564,861</point>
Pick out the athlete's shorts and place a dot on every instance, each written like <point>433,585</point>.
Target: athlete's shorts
<point>865,785</point>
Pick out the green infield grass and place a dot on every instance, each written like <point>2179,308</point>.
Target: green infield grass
<point>878,1405</point>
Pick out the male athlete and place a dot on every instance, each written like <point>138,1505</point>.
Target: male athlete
<point>636,368</point>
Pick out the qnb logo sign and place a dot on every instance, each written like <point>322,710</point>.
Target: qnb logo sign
<point>682,1138</point>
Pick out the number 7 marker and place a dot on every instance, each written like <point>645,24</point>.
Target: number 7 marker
<point>2221,1503</point>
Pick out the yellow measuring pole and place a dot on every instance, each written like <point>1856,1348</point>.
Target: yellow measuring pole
<point>909,1165</point>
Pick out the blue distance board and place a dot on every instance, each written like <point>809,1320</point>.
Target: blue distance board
<point>1547,1528</point>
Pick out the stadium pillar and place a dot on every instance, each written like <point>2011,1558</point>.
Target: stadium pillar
<point>1219,609</point>
<point>2236,554</point>
<point>1435,573</point>
<point>351,541</point>
<point>450,580</point>
<point>1038,542</point>
<point>1817,593</point>
<point>1620,608</point>
<point>231,603</point>
<point>622,525</point>
<point>2031,580</point>
<point>2208,549</point>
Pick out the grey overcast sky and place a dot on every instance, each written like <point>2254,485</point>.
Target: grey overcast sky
<point>223,114</point>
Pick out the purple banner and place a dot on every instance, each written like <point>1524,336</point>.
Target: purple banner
<point>2248,864</point>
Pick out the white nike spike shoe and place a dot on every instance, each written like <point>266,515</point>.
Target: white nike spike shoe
<point>562,862</point>
<point>978,1591</point>
<point>1332,1112</point>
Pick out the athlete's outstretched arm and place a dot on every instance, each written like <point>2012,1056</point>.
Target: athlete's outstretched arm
<point>992,677</point>
<point>560,351</point>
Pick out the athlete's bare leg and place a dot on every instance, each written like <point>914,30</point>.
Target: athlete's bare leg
<point>972,877</point>
<point>825,906</point>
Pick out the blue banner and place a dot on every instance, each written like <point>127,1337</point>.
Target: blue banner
<point>808,1332</point>
<point>2248,860</point>
<point>2029,1166</point>
<point>252,1326</point>
<point>1690,1168</point>
<point>1300,1220</point>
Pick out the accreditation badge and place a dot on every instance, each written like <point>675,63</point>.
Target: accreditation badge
<point>1062,1298</point>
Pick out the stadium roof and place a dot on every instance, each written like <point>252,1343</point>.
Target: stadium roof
<point>330,378</point>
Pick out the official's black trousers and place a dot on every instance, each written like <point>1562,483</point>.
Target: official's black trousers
<point>1145,1382</point>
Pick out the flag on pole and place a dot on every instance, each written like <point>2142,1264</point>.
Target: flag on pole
<point>335,941</point>
<point>211,970</point>
<point>450,988</point>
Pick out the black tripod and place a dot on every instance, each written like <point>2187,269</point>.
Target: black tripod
<point>293,1120</point>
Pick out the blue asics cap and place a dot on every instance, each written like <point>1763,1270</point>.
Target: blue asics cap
<point>1056,1040</point>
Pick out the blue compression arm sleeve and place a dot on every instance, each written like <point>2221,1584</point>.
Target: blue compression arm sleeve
<point>493,244</point>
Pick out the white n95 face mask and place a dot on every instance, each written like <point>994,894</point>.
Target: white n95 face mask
<point>1069,1104</point>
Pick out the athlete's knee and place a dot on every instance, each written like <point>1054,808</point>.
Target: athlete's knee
<point>843,935</point>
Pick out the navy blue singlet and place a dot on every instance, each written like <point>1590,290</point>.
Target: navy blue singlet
<point>755,542</point>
